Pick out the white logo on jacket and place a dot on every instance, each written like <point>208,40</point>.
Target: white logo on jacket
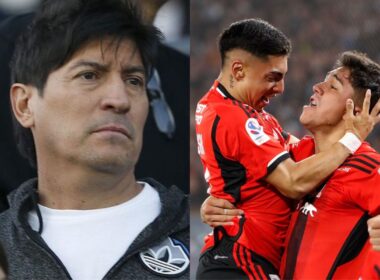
<point>308,208</point>
<point>170,257</point>
<point>256,132</point>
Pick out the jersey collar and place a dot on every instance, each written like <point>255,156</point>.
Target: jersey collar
<point>222,90</point>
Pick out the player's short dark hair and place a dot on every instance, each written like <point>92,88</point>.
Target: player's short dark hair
<point>255,36</point>
<point>364,74</point>
<point>60,29</point>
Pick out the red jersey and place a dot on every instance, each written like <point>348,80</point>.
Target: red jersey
<point>371,267</point>
<point>328,235</point>
<point>239,147</point>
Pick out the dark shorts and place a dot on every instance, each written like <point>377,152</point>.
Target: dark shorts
<point>230,260</point>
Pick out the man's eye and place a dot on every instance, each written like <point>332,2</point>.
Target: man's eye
<point>135,82</point>
<point>89,76</point>
<point>333,87</point>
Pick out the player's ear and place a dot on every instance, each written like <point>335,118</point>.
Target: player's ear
<point>237,70</point>
<point>21,102</point>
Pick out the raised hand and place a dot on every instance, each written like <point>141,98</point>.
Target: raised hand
<point>363,122</point>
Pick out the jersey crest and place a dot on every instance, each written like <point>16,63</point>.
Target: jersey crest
<point>256,132</point>
<point>170,258</point>
<point>308,208</point>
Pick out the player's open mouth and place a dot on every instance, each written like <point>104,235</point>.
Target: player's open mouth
<point>312,103</point>
<point>265,100</point>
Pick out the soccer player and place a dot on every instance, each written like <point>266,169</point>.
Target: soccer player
<point>244,153</point>
<point>331,222</point>
<point>329,227</point>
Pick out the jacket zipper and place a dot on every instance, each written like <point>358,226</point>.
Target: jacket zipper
<point>37,240</point>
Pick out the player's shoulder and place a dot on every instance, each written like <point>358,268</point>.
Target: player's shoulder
<point>363,163</point>
<point>302,149</point>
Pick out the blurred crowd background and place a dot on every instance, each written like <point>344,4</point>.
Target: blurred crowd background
<point>318,29</point>
<point>172,19</point>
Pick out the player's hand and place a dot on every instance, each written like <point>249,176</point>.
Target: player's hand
<point>218,212</point>
<point>362,122</point>
<point>374,232</point>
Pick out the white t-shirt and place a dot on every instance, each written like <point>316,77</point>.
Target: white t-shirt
<point>90,242</point>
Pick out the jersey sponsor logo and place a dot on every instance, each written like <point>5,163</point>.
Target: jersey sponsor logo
<point>198,119</point>
<point>170,258</point>
<point>274,277</point>
<point>344,169</point>
<point>200,108</point>
<point>201,150</point>
<point>256,132</point>
<point>308,208</point>
<point>207,175</point>
<point>218,257</point>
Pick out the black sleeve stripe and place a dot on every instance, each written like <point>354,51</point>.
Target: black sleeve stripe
<point>276,162</point>
<point>361,161</point>
<point>233,172</point>
<point>377,269</point>
<point>353,244</point>
<point>357,167</point>
<point>369,158</point>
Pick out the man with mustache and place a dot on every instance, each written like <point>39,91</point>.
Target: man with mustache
<point>244,153</point>
<point>330,224</point>
<point>79,98</point>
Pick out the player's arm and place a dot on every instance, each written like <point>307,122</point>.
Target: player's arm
<point>297,179</point>
<point>374,232</point>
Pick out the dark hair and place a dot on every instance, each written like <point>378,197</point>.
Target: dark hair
<point>60,29</point>
<point>364,74</point>
<point>255,36</point>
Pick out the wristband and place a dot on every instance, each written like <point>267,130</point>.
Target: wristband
<point>350,141</point>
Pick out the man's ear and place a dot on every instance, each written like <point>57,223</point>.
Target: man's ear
<point>21,97</point>
<point>237,69</point>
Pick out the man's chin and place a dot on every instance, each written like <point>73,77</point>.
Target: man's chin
<point>111,164</point>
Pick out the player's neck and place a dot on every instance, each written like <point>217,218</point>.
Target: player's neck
<point>230,85</point>
<point>325,137</point>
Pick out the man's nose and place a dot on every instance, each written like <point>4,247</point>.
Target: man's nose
<point>279,87</point>
<point>318,89</point>
<point>115,97</point>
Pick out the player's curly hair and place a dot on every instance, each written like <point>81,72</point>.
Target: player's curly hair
<point>364,74</point>
<point>255,36</point>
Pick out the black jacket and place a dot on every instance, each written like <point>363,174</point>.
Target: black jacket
<point>29,257</point>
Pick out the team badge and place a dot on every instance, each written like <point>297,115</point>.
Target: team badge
<point>308,209</point>
<point>170,258</point>
<point>256,132</point>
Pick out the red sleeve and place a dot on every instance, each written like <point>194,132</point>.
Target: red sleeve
<point>363,184</point>
<point>302,149</point>
<point>245,140</point>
